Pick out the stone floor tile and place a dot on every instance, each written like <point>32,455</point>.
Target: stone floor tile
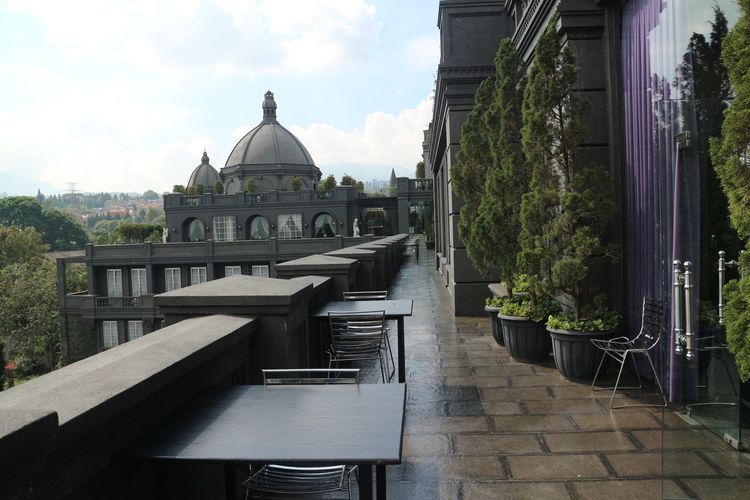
<point>503,371</point>
<point>477,381</point>
<point>679,464</point>
<point>454,362</point>
<point>532,423</point>
<point>495,444</point>
<point>502,408</point>
<point>425,444</point>
<point>459,468</point>
<point>567,406</point>
<point>426,425</point>
<point>730,462</point>
<point>616,420</point>
<point>513,393</point>
<point>626,490</point>
<point>557,466</point>
<point>463,408</point>
<point>517,490</point>
<point>699,439</point>
<point>538,380</point>
<point>719,489</point>
<point>456,371</point>
<point>590,441</point>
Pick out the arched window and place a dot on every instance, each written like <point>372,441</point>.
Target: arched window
<point>196,231</point>
<point>325,227</point>
<point>259,229</point>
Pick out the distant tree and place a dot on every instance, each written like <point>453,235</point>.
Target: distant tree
<point>200,188</point>
<point>58,229</point>
<point>348,180</point>
<point>296,183</point>
<point>420,170</point>
<point>219,187</point>
<point>29,321</point>
<point>251,185</point>
<point>150,195</point>
<point>75,278</point>
<point>138,233</point>
<point>178,188</point>
<point>328,183</point>
<point>20,245</point>
<point>154,215</point>
<point>360,186</point>
<point>105,232</point>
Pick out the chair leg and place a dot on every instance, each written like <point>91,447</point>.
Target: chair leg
<point>390,353</point>
<point>593,384</point>
<point>617,382</point>
<point>637,372</point>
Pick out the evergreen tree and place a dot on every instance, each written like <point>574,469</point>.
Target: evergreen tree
<point>328,183</point>
<point>568,205</point>
<point>419,173</point>
<point>251,185</point>
<point>296,183</point>
<point>731,159</point>
<point>219,187</point>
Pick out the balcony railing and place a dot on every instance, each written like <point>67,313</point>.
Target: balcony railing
<point>119,302</point>
<point>420,185</point>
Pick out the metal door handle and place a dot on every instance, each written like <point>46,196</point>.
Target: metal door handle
<point>689,333</point>
<point>677,295</point>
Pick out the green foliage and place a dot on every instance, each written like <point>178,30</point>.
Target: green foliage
<point>296,183</point>
<point>131,232</point>
<point>568,206</point>
<point>490,172</point>
<point>219,187</point>
<point>591,320</point>
<point>178,188</point>
<point>29,321</point>
<point>495,301</point>
<point>251,185</point>
<point>328,183</point>
<point>360,186</point>
<point>105,232</point>
<point>58,229</point>
<point>19,245</point>
<point>731,158</point>
<point>348,180</point>
<point>522,306</point>
<point>419,173</point>
<point>75,278</point>
<point>150,195</point>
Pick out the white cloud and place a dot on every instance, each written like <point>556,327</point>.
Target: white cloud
<point>384,139</point>
<point>249,37</point>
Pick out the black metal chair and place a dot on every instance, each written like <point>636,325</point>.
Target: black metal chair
<point>620,347</point>
<point>273,480</point>
<point>376,295</point>
<point>357,337</point>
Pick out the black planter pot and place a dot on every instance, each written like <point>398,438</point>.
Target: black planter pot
<point>525,340</point>
<point>575,355</point>
<point>497,332</point>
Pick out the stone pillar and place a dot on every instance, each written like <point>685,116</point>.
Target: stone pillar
<point>365,279</point>
<point>343,271</point>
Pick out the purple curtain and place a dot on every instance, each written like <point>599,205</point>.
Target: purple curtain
<point>661,189</point>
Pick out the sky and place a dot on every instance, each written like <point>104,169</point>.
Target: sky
<point>125,95</point>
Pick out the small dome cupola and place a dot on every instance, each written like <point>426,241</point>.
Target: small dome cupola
<point>204,174</point>
<point>269,108</point>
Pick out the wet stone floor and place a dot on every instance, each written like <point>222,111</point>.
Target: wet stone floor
<point>480,425</point>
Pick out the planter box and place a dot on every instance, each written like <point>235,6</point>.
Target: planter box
<point>525,340</point>
<point>575,355</point>
<point>497,332</point>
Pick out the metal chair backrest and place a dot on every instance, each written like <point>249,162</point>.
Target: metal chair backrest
<point>652,320</point>
<point>312,376</point>
<point>348,326</point>
<point>367,295</point>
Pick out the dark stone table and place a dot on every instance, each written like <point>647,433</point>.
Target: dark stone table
<point>394,309</point>
<point>352,424</point>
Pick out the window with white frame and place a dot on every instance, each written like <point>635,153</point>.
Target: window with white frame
<point>225,228</point>
<point>114,282</point>
<point>172,279</point>
<point>290,226</point>
<point>138,282</point>
<point>232,270</point>
<point>197,275</point>
<point>261,271</point>
<point>109,334</point>
<point>135,329</point>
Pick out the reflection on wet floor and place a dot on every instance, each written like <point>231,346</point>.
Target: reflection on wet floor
<point>480,425</point>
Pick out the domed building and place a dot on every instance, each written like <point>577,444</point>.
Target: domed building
<point>204,174</point>
<point>270,155</point>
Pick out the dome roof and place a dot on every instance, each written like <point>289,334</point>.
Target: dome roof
<point>204,174</point>
<point>269,143</point>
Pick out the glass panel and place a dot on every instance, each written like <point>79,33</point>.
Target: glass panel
<point>325,227</point>
<point>290,226</point>
<point>232,270</point>
<point>135,329</point>
<point>261,271</point>
<point>138,282</point>
<point>196,231</point>
<point>172,279</point>
<point>225,228</point>
<point>109,334</point>
<point>259,229</point>
<point>114,282</point>
<point>197,275</point>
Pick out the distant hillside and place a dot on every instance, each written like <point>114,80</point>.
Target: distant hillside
<point>15,185</point>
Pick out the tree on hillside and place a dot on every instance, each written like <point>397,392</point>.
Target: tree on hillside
<point>58,229</point>
<point>105,232</point>
<point>150,195</point>
<point>18,245</point>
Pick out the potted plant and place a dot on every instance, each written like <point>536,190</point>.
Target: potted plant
<point>523,327</point>
<point>492,306</point>
<point>567,209</point>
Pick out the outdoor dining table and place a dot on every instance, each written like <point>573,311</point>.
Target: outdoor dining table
<point>394,309</point>
<point>349,424</point>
